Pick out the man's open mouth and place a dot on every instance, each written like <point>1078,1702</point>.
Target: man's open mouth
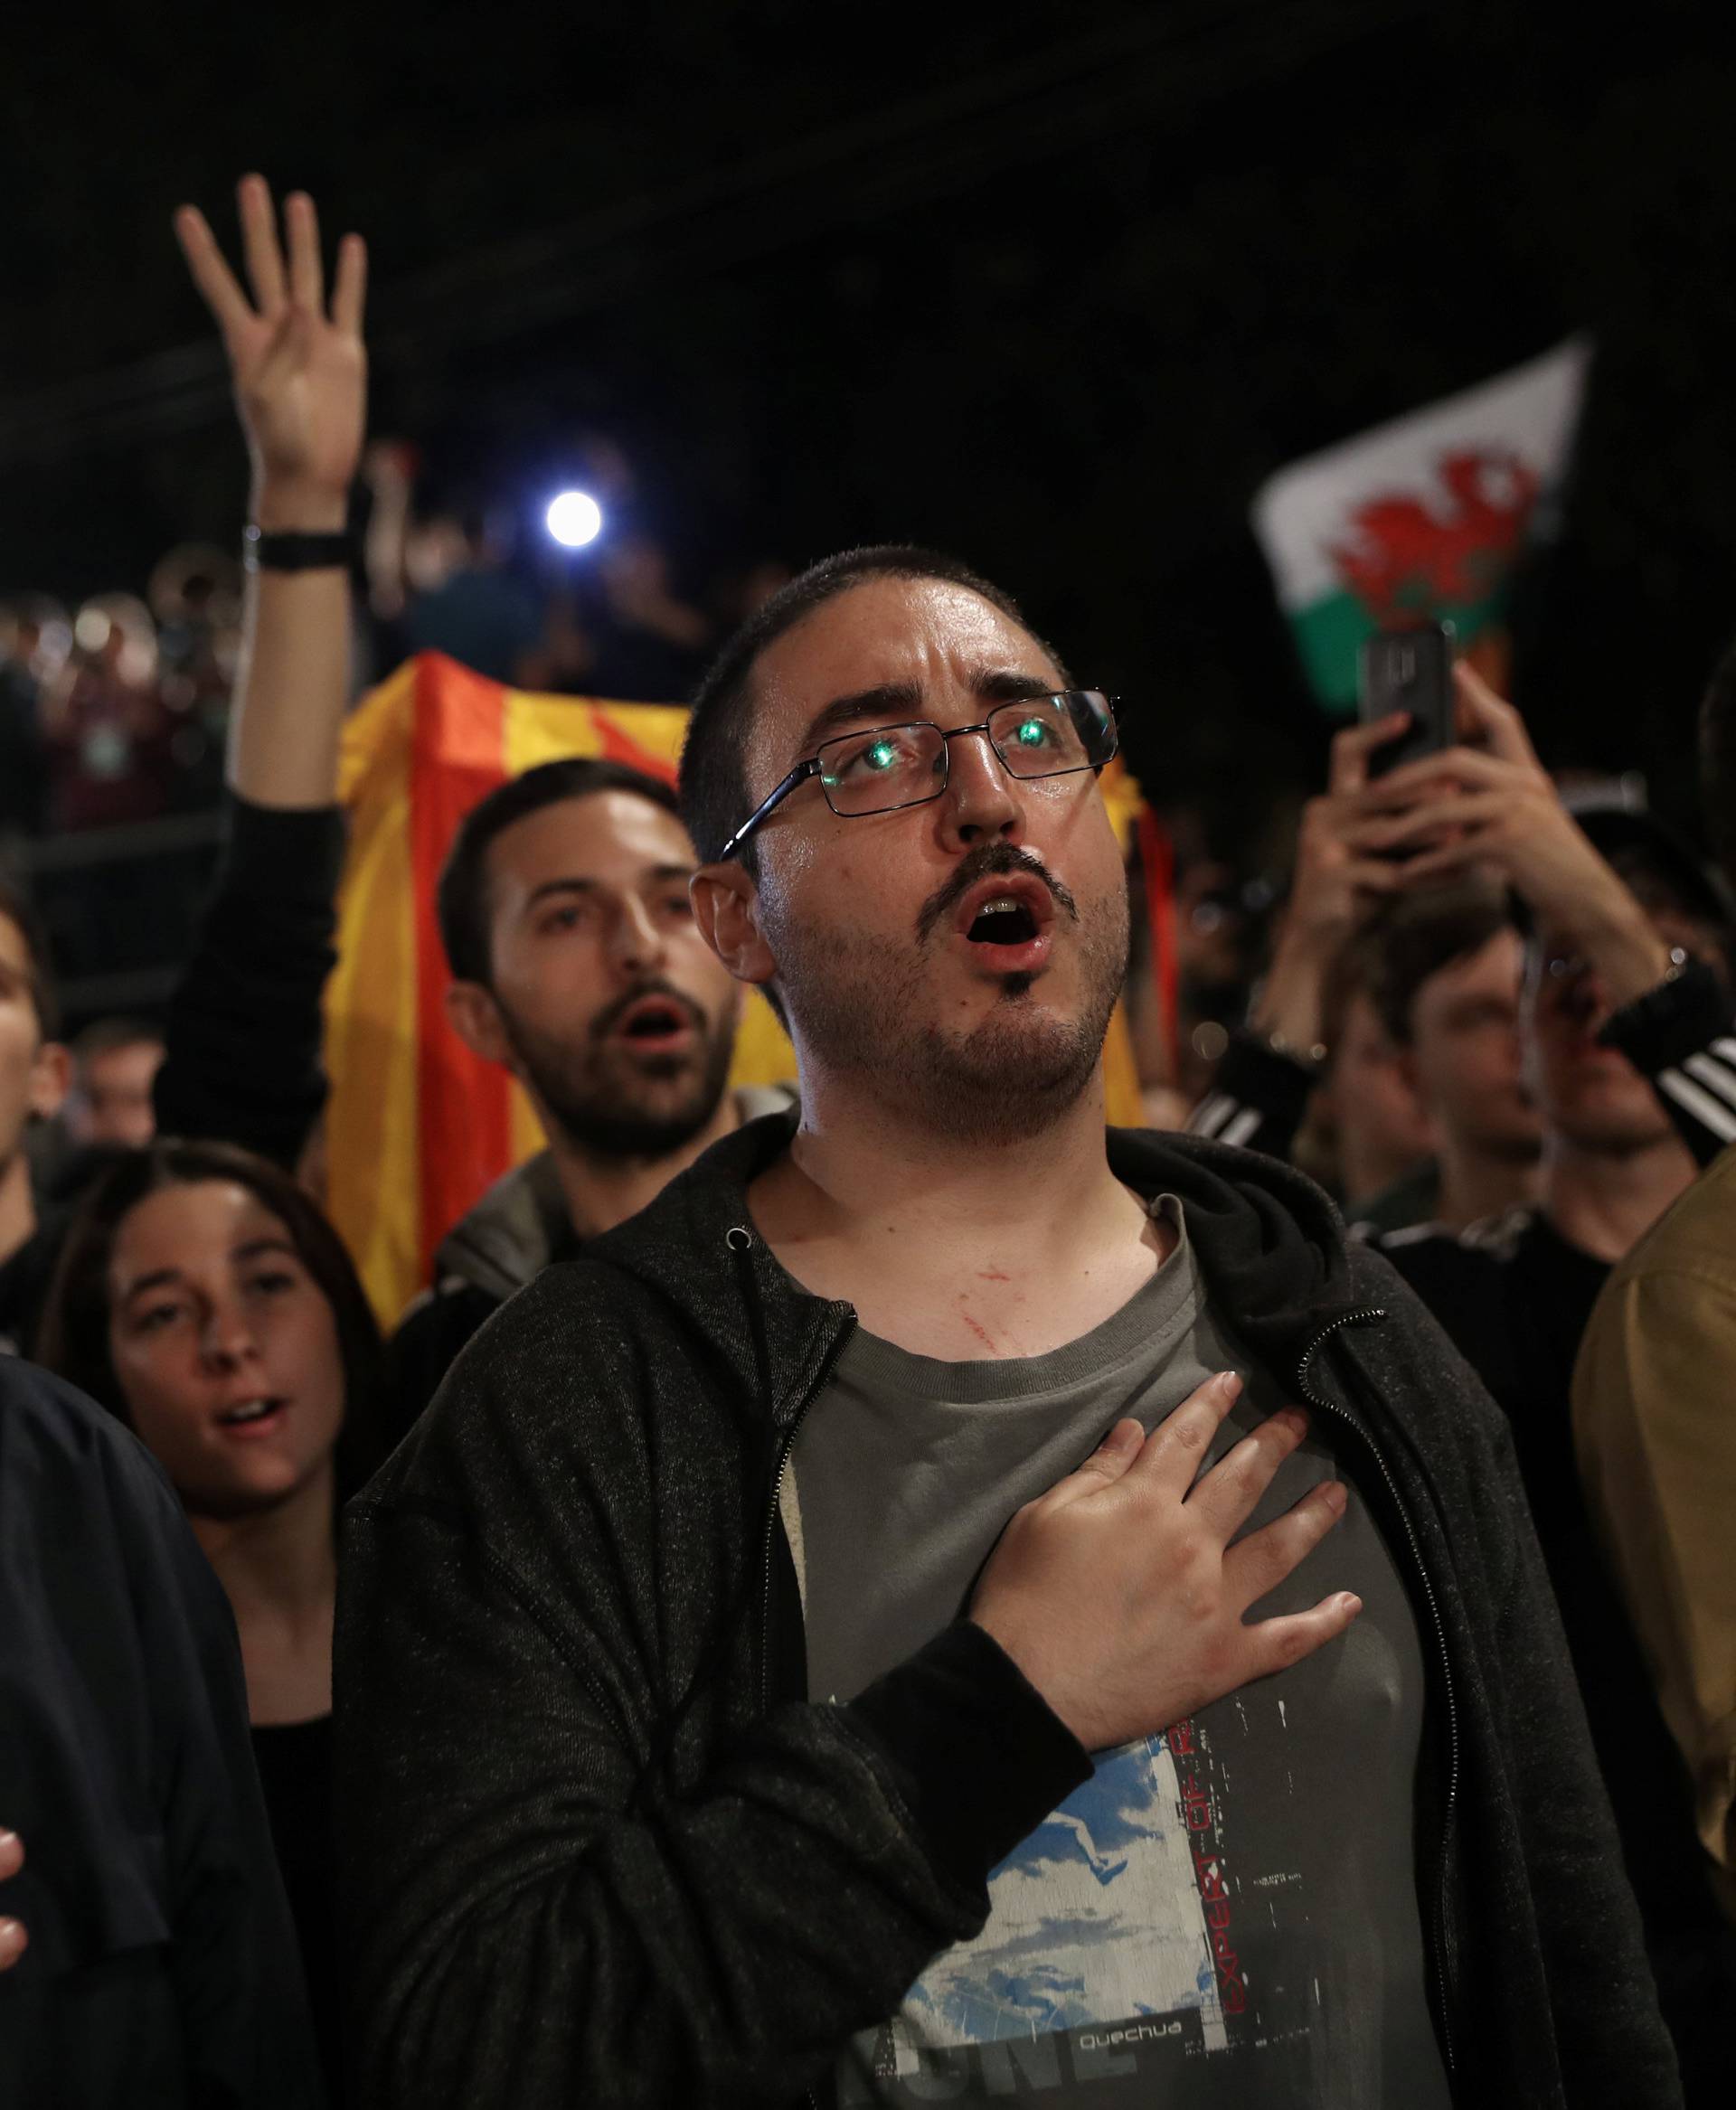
<point>1005,921</point>
<point>654,1023</point>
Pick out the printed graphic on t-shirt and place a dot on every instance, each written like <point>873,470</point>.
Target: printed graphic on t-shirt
<point>1131,1955</point>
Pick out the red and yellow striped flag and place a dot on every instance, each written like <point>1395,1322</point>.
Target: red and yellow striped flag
<point>417,1127</point>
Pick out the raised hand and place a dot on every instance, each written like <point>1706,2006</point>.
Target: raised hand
<point>1341,874</point>
<point>301,372</point>
<point>1119,1594</point>
<point>1488,803</point>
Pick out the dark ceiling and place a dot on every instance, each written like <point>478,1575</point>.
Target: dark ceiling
<point>1057,287</point>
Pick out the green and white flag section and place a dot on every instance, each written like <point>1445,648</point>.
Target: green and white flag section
<point>1424,518</point>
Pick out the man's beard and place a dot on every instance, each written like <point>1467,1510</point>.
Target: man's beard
<point>611,1105</point>
<point>856,999</point>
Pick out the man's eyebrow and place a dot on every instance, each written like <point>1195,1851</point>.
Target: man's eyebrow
<point>569,885</point>
<point>886,702</point>
<point>653,875</point>
<point>1004,685</point>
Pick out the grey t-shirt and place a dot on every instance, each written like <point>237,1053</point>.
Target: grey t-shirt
<point>1224,1914</point>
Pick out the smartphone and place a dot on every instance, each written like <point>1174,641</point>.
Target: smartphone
<point>1408,670</point>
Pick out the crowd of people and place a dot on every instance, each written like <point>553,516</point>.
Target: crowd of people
<point>116,711</point>
<point>882,1586</point>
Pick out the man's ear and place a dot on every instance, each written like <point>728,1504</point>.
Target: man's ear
<point>474,1017</point>
<point>726,908</point>
<point>51,1078</point>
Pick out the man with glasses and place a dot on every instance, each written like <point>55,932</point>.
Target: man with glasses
<point>880,1623</point>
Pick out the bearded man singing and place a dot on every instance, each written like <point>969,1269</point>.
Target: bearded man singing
<point>948,1603</point>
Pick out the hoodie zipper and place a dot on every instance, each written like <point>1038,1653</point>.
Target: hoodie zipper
<point>1318,1399</point>
<point>739,1240</point>
<point>788,1447</point>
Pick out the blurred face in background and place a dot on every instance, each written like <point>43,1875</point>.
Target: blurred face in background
<point>435,550</point>
<point>1464,1058</point>
<point>112,1099</point>
<point>869,919</point>
<point>225,1348</point>
<point>1590,1094</point>
<point>606,1003</point>
<point>32,1070</point>
<point>1379,1125</point>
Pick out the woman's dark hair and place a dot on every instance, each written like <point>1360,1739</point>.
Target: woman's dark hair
<point>73,1337</point>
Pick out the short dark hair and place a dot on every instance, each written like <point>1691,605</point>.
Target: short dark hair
<point>21,913</point>
<point>461,900</point>
<point>1718,761</point>
<point>715,796</point>
<point>1417,935</point>
<point>72,1339</point>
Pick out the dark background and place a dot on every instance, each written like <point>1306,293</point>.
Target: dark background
<point>1054,287</point>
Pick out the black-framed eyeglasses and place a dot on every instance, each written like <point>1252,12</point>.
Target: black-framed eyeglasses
<point>884,768</point>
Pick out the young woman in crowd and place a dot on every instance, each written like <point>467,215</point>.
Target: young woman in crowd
<point>203,1299</point>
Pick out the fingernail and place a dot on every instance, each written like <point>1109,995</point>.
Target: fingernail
<point>1350,1602</point>
<point>1334,1493</point>
<point>1230,1383</point>
<point>7,1838</point>
<point>12,1934</point>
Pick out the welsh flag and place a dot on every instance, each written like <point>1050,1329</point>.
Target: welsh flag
<point>1424,518</point>
<point>417,1129</point>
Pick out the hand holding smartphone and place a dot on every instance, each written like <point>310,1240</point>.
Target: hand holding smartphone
<point>1410,671</point>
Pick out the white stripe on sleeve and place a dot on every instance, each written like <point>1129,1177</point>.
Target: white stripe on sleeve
<point>1211,1116</point>
<point>1242,1128</point>
<point>1704,1108</point>
<point>1711,1073</point>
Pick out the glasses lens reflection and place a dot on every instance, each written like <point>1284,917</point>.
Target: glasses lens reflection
<point>1039,738</point>
<point>889,765</point>
<point>885,767</point>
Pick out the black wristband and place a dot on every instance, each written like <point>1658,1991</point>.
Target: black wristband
<point>263,550</point>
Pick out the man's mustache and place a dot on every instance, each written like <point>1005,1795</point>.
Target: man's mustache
<point>993,861</point>
<point>606,1021</point>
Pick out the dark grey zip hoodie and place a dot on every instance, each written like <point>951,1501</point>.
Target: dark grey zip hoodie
<point>597,1846</point>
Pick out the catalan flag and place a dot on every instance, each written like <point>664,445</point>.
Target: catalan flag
<point>417,1127</point>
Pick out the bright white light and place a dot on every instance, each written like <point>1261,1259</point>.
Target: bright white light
<point>575,519</point>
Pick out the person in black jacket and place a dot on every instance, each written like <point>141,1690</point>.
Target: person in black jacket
<point>761,1673</point>
<point>160,1971</point>
<point>204,1300</point>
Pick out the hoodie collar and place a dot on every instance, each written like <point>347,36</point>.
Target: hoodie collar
<point>1271,1245</point>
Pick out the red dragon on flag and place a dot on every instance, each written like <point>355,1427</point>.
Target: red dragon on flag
<point>1406,558</point>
